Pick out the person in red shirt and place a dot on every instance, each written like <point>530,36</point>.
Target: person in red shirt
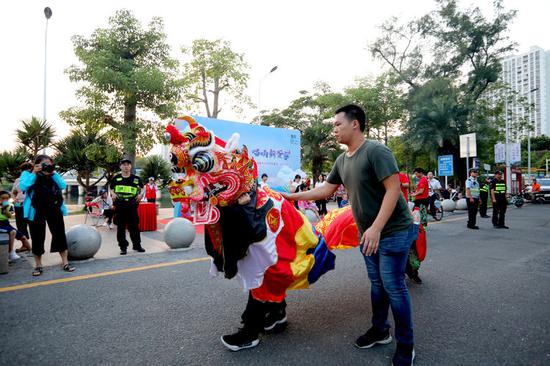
<point>405,184</point>
<point>421,195</point>
<point>151,190</point>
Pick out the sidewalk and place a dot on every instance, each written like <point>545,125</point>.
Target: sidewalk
<point>152,241</point>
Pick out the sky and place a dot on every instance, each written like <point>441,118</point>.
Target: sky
<point>307,40</point>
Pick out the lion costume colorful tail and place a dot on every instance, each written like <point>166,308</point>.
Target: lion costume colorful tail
<point>269,245</point>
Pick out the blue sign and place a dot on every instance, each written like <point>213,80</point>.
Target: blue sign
<point>445,165</point>
<point>276,150</point>
<point>476,163</point>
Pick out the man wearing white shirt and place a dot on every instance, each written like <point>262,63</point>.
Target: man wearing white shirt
<point>434,186</point>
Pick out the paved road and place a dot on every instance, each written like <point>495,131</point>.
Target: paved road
<point>484,301</point>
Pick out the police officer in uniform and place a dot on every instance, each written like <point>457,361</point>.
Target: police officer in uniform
<point>483,197</point>
<point>472,198</point>
<point>127,191</point>
<point>500,201</point>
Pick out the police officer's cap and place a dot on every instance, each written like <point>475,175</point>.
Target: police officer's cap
<point>124,160</point>
<point>473,170</point>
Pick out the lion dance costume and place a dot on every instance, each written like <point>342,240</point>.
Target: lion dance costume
<point>263,240</point>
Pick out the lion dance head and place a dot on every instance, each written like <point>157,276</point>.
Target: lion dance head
<point>210,172</point>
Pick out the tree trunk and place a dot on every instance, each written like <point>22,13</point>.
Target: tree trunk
<point>216,96</point>
<point>130,132</point>
<point>386,133</point>
<point>205,95</point>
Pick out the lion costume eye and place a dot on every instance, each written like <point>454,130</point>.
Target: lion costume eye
<point>203,162</point>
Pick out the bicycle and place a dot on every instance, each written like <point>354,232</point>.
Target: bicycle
<point>438,210</point>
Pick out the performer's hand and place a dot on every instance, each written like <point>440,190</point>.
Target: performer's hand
<point>370,240</point>
<point>471,200</point>
<point>113,196</point>
<point>37,168</point>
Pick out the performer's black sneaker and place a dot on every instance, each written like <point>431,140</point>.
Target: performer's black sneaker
<point>404,355</point>
<point>139,249</point>
<point>123,251</point>
<point>244,338</point>
<point>503,227</point>
<point>275,321</point>
<point>373,337</point>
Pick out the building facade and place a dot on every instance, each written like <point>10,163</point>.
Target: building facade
<point>528,74</point>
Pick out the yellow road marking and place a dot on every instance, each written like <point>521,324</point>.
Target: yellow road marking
<point>101,274</point>
<point>448,220</point>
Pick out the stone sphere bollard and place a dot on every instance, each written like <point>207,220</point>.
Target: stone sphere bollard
<point>83,242</point>
<point>448,205</point>
<point>461,204</point>
<point>179,233</point>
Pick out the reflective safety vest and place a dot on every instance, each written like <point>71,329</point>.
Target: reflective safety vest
<point>500,188</point>
<point>485,188</point>
<point>127,191</point>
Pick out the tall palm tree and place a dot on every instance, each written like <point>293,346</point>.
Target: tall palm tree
<point>35,135</point>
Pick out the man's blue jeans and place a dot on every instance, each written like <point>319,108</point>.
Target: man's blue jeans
<point>386,270</point>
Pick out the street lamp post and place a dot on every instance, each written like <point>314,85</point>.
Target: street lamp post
<point>48,14</point>
<point>260,92</point>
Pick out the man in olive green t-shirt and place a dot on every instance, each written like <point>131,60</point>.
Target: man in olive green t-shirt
<point>370,174</point>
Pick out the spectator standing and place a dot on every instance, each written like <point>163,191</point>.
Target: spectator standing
<point>405,184</point>
<point>151,190</point>
<point>295,187</point>
<point>322,203</point>
<point>472,198</point>
<point>44,205</point>
<point>421,195</point>
<point>263,182</point>
<point>19,197</point>
<point>500,200</point>
<point>127,191</point>
<point>340,191</point>
<point>434,191</point>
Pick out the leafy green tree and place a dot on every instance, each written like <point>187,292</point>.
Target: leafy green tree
<point>71,156</point>
<point>126,69</point>
<point>10,162</point>
<point>35,135</point>
<point>447,61</point>
<point>311,115</point>
<point>155,166</point>
<point>383,103</point>
<point>214,69</point>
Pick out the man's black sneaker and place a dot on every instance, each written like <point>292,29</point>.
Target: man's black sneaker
<point>244,338</point>
<point>123,251</point>
<point>140,250</point>
<point>373,337</point>
<point>404,355</point>
<point>503,227</point>
<point>275,320</point>
<point>473,227</point>
<point>486,216</point>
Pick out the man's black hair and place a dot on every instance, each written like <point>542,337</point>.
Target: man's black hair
<point>298,176</point>
<point>5,192</point>
<point>354,112</point>
<point>265,175</point>
<point>418,169</point>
